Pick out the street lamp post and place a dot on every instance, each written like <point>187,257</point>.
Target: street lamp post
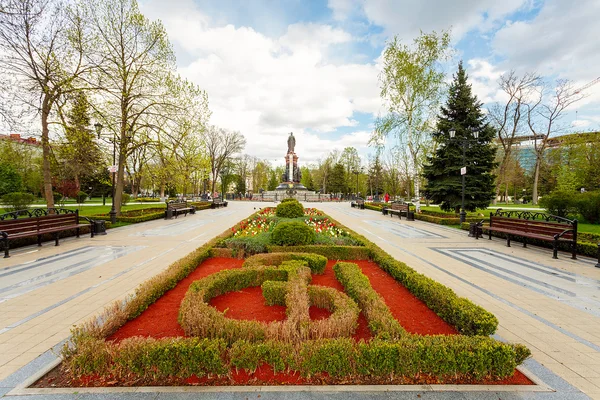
<point>463,170</point>
<point>113,212</point>
<point>356,172</point>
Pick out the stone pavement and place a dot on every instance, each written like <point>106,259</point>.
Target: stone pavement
<point>552,306</point>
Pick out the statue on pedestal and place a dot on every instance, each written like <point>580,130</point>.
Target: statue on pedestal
<point>291,143</point>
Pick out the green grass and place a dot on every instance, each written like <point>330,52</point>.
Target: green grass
<point>591,228</point>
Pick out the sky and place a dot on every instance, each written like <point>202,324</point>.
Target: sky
<point>311,67</point>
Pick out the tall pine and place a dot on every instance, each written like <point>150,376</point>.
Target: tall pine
<point>462,113</point>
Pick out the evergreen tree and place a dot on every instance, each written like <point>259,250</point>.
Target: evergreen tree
<point>462,113</point>
<point>307,179</point>
<point>376,176</point>
<point>273,182</point>
<point>337,181</point>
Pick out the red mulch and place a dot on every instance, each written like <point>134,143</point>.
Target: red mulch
<point>160,319</point>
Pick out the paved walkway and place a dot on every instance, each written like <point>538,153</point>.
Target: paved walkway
<point>553,306</point>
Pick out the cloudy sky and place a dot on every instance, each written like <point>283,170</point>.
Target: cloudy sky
<point>311,66</point>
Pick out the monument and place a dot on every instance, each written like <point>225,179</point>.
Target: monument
<point>290,179</point>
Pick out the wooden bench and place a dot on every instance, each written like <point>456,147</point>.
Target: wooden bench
<point>534,225</point>
<point>218,203</point>
<point>176,208</point>
<point>37,226</point>
<point>358,203</point>
<point>396,209</point>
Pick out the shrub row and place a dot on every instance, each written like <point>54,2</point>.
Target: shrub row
<point>444,220</point>
<point>381,321</point>
<point>147,199</point>
<point>443,357</point>
<point>467,317</point>
<point>571,204</point>
<point>315,262</point>
<point>153,213</point>
<point>331,252</point>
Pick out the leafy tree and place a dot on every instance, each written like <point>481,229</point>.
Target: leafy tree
<point>26,160</point>
<point>43,44</point>
<point>337,181</point>
<point>376,176</point>
<point>221,146</point>
<point>273,182</point>
<point>411,88</point>
<point>462,113</point>
<point>307,179</point>
<point>10,180</point>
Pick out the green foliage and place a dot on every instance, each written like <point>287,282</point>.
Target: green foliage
<point>125,198</point>
<point>289,208</point>
<point>588,205</point>
<point>134,216</point>
<point>381,321</point>
<point>558,203</point>
<point>273,182</point>
<point>250,244</point>
<point>566,181</point>
<point>17,201</point>
<point>463,114</point>
<point>337,179</point>
<point>292,233</point>
<point>331,252</point>
<point>10,180</point>
<point>331,356</point>
<point>315,262</point>
<point>57,197</point>
<point>81,196</point>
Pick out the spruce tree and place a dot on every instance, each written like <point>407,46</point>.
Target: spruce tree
<point>462,113</point>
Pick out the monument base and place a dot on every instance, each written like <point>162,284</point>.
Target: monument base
<point>290,186</point>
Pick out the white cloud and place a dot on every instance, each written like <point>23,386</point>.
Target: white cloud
<point>266,87</point>
<point>408,17</point>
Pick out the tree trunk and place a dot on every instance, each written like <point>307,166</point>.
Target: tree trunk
<point>46,106</point>
<point>536,177</point>
<point>162,189</point>
<point>121,151</point>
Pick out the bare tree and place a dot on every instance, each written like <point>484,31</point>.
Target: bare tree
<point>509,118</point>
<point>42,44</point>
<point>221,146</point>
<point>543,119</point>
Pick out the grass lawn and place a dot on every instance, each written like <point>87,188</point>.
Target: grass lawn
<point>591,228</point>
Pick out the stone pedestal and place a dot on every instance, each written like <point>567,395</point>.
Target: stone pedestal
<point>291,177</point>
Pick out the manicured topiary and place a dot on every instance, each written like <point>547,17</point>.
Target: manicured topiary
<point>290,209</point>
<point>292,233</point>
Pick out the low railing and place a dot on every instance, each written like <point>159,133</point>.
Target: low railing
<point>35,212</point>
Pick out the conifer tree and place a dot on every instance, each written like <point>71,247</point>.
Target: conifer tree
<point>462,113</point>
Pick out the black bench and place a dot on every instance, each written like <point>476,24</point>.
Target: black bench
<point>218,203</point>
<point>396,209</point>
<point>176,208</point>
<point>52,223</point>
<point>358,203</point>
<point>534,225</point>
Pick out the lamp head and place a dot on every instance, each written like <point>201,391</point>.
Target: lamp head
<point>98,126</point>
<point>452,133</point>
<point>476,134</point>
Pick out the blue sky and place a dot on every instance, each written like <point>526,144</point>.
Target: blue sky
<point>311,67</point>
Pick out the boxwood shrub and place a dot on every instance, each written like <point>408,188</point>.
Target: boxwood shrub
<point>292,233</point>
<point>315,262</point>
<point>289,209</point>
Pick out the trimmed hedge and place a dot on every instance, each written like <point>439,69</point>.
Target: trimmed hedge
<point>315,262</point>
<point>330,252</point>
<point>289,209</point>
<point>444,357</point>
<point>152,214</point>
<point>292,233</point>
<point>444,220</point>
<point>381,321</point>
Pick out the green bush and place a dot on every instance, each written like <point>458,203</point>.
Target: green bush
<point>250,244</point>
<point>292,233</point>
<point>288,200</point>
<point>81,196</point>
<point>57,197</point>
<point>562,204</point>
<point>315,262</point>
<point>290,209</point>
<point>125,198</point>
<point>331,252</point>
<point>17,201</point>
<point>10,180</point>
<point>588,206</point>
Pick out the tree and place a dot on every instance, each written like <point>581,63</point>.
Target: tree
<point>307,179</point>
<point>351,161</point>
<point>543,117</point>
<point>221,146</point>
<point>273,181</point>
<point>462,113</point>
<point>411,89</point>
<point>337,181</point>
<point>10,180</point>
<point>376,176</point>
<point>509,118</point>
<point>80,153</point>
<point>42,43</point>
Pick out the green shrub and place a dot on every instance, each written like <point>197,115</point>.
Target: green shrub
<point>288,199</point>
<point>588,206</point>
<point>125,198</point>
<point>331,252</point>
<point>250,244</point>
<point>290,209</point>
<point>17,201</point>
<point>57,197</point>
<point>292,233</point>
<point>562,204</point>
<point>315,262</point>
<point>81,196</point>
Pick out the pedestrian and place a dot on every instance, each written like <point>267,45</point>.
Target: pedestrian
<point>386,197</point>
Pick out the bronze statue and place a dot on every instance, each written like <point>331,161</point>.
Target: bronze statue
<point>291,143</point>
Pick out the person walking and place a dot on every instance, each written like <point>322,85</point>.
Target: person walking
<point>386,197</point>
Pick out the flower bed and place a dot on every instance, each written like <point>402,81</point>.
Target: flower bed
<point>313,344</point>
